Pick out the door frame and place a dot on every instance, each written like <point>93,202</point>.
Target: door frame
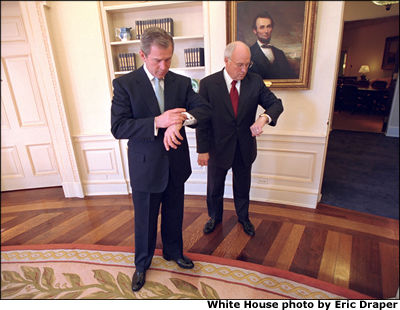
<point>332,105</point>
<point>35,23</point>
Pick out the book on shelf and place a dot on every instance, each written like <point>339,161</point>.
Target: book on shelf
<point>126,61</point>
<point>194,57</point>
<point>164,23</point>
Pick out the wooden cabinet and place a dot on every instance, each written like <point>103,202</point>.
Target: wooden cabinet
<point>189,19</point>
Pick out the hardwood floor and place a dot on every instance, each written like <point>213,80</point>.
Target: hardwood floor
<point>347,248</point>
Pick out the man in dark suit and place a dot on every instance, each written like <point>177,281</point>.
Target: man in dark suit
<point>149,107</point>
<point>268,61</point>
<point>228,140</point>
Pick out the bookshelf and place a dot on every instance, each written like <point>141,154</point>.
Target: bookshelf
<point>189,18</point>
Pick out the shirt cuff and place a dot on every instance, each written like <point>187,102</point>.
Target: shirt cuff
<point>267,116</point>
<point>155,128</point>
<point>190,119</point>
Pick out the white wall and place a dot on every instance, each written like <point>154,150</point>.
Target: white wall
<point>291,156</point>
<point>77,42</point>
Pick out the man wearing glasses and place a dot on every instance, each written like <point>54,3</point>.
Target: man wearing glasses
<point>228,140</point>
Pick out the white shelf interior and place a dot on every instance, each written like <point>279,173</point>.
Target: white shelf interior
<point>188,29</point>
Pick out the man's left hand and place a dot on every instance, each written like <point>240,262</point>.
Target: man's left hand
<point>172,137</point>
<point>256,128</point>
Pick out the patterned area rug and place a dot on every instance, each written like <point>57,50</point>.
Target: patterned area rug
<point>104,272</point>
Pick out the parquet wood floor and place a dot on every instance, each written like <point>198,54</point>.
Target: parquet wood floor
<point>347,248</point>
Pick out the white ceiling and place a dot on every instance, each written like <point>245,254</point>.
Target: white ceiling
<point>357,10</point>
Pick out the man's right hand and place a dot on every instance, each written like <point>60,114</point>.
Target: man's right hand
<point>170,117</point>
<point>202,159</point>
<point>172,137</point>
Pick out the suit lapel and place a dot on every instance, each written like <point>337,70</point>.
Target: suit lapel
<point>169,91</point>
<point>221,84</point>
<point>244,91</point>
<point>149,97</point>
<point>262,60</point>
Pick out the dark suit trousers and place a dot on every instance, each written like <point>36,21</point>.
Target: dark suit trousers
<point>241,188</point>
<point>147,206</point>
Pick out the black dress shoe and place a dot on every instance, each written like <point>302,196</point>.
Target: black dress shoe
<point>210,225</point>
<point>138,280</point>
<point>248,227</point>
<point>183,262</point>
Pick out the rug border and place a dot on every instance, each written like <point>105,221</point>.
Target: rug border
<point>288,275</point>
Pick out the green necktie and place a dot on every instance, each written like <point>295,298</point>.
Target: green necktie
<point>159,94</point>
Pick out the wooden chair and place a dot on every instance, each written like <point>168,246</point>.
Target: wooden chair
<point>350,97</point>
<point>381,102</point>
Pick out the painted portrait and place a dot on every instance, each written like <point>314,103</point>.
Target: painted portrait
<point>280,37</point>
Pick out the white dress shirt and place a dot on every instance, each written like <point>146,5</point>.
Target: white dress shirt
<point>228,81</point>
<point>267,52</point>
<point>190,119</point>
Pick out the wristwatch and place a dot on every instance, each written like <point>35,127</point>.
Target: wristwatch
<point>266,116</point>
<point>190,120</point>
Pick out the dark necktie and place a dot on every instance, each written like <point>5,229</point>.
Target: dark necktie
<point>266,46</point>
<point>234,97</point>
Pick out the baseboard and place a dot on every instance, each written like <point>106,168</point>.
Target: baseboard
<point>72,189</point>
<point>99,188</point>
<point>268,193</point>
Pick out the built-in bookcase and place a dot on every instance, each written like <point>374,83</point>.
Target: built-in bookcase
<point>189,31</point>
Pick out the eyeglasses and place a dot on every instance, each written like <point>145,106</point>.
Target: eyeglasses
<point>243,66</point>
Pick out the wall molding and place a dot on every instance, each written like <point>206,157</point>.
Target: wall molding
<point>287,169</point>
<point>101,165</point>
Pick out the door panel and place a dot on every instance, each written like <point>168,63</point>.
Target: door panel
<point>28,159</point>
<point>22,81</point>
<point>11,167</point>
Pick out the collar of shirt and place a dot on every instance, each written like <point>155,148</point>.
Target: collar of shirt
<point>228,81</point>
<point>151,77</point>
<point>267,52</point>
<point>260,44</point>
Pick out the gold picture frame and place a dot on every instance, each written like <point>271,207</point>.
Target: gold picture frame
<point>293,32</point>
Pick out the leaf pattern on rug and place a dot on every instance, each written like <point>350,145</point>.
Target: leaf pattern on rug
<point>34,283</point>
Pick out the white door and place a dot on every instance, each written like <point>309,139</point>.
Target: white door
<point>27,153</point>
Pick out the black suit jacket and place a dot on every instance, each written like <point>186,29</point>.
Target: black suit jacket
<point>219,136</point>
<point>134,107</point>
<point>279,69</point>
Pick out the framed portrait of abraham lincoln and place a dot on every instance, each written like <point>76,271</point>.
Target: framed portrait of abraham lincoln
<point>280,35</point>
